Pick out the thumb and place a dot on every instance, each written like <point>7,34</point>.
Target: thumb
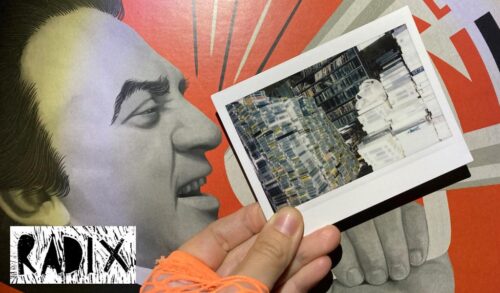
<point>274,248</point>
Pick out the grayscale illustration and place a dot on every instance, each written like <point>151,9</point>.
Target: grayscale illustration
<point>95,129</point>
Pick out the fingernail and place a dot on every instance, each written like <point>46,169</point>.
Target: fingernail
<point>416,257</point>
<point>286,223</point>
<point>376,277</point>
<point>354,277</point>
<point>398,272</point>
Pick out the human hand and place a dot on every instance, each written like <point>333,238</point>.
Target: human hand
<point>274,253</point>
<point>387,250</point>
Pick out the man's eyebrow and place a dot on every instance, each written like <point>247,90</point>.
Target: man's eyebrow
<point>159,87</point>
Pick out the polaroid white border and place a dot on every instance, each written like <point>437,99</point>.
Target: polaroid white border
<point>377,186</point>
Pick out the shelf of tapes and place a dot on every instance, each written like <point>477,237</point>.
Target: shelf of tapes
<point>296,150</point>
<point>334,85</point>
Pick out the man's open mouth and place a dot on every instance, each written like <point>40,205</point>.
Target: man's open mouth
<point>192,188</point>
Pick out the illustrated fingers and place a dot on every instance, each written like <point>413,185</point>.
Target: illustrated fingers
<point>364,239</point>
<point>214,243</point>
<point>308,276</point>
<point>417,235</point>
<point>348,271</point>
<point>274,248</point>
<point>392,237</point>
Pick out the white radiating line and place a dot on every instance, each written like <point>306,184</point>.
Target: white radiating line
<point>483,172</point>
<point>483,137</point>
<point>252,39</point>
<point>438,223</point>
<point>214,25</point>
<point>345,20</point>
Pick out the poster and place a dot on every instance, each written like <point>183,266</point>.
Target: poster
<point>217,43</point>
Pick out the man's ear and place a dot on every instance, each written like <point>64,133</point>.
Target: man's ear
<point>28,209</point>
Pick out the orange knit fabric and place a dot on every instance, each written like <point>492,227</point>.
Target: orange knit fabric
<point>182,272</point>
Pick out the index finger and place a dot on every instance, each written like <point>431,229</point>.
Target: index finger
<point>214,243</point>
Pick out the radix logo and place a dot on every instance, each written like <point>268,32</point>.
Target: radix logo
<point>72,255</point>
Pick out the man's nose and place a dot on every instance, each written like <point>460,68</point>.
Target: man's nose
<point>197,131</point>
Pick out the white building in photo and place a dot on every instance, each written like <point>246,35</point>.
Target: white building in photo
<point>399,113</point>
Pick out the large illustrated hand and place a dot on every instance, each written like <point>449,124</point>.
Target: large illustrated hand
<point>388,254</point>
<point>433,276</point>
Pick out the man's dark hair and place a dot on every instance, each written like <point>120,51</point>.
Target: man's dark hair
<point>28,160</point>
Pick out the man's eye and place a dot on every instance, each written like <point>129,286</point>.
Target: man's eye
<point>146,118</point>
<point>148,111</point>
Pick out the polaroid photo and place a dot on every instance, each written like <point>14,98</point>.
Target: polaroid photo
<point>344,126</point>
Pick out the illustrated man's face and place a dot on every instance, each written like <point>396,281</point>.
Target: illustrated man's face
<point>133,147</point>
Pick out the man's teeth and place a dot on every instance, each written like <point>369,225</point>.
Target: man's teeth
<point>193,186</point>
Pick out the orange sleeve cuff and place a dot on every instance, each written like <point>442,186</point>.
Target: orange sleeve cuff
<point>182,272</point>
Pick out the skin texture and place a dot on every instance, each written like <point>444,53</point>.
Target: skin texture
<point>129,172</point>
<point>274,253</point>
<point>388,254</point>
